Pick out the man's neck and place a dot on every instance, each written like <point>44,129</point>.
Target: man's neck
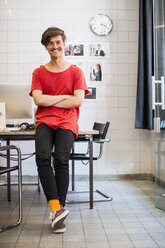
<point>57,65</point>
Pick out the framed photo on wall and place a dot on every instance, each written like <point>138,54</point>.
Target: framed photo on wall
<point>98,50</point>
<point>92,95</point>
<point>78,63</point>
<point>74,49</point>
<point>95,71</point>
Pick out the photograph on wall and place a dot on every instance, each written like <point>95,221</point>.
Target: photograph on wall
<point>92,95</point>
<point>98,50</point>
<point>95,71</point>
<point>74,49</point>
<point>79,64</point>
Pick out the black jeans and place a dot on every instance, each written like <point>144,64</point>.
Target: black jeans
<point>54,182</point>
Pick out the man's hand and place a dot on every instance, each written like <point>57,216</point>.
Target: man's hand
<point>73,101</point>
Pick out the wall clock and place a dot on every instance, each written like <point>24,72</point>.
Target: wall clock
<point>101,24</point>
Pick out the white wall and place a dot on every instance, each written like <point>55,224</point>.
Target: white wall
<point>21,24</point>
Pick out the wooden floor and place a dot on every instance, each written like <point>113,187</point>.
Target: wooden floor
<point>130,220</point>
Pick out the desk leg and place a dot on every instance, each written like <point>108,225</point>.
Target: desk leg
<point>73,182</point>
<point>8,174</point>
<point>91,170</point>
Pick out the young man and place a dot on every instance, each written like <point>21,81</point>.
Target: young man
<point>58,89</point>
<point>99,51</point>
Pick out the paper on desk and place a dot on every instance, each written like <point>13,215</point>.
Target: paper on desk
<point>2,116</point>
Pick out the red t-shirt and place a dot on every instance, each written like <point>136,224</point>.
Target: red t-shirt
<point>58,83</point>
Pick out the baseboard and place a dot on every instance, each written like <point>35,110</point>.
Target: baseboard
<point>114,177</point>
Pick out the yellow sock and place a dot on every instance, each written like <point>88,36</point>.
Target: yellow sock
<point>54,205</point>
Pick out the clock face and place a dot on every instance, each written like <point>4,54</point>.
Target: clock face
<point>101,24</point>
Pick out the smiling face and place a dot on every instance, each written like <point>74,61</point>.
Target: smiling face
<point>99,47</point>
<point>55,47</point>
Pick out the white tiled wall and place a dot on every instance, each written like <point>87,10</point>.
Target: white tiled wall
<point>21,24</point>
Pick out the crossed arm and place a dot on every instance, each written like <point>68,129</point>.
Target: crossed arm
<point>59,101</point>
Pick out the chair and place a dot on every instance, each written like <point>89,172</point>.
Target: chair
<point>100,139</point>
<point>7,170</point>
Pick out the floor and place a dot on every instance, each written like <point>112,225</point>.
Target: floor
<point>130,220</point>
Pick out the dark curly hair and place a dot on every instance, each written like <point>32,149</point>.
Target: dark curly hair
<point>52,32</point>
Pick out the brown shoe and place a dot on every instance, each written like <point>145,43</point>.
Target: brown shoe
<point>61,229</point>
<point>58,217</point>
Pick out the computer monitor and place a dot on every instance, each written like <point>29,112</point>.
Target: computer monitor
<point>18,103</point>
